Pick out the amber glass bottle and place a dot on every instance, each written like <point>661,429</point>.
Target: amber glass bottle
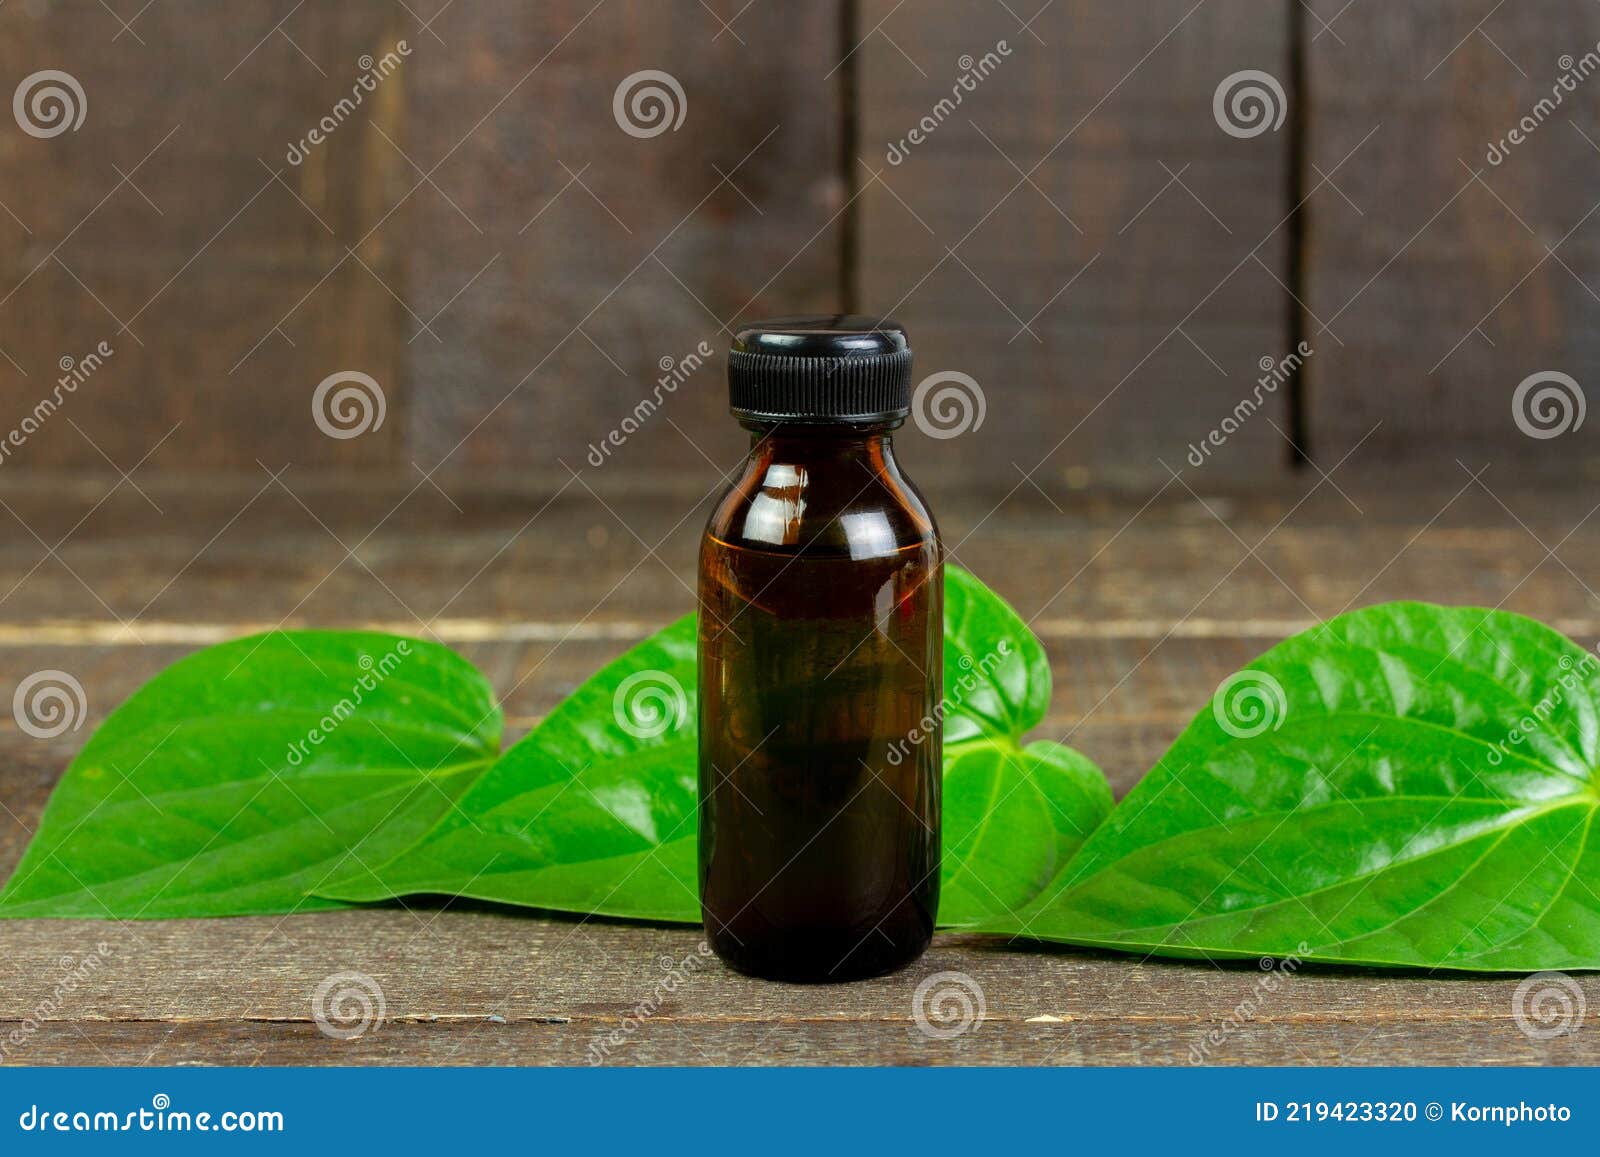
<point>821,655</point>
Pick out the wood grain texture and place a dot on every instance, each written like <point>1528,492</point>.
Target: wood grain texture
<point>613,253</point>
<point>1443,261</point>
<point>172,227</point>
<point>1075,231</point>
<point>1079,234</point>
<point>1145,601</point>
<point>476,232</point>
<point>1113,582</point>
<point>665,1041</point>
<point>258,552</point>
<point>482,987</point>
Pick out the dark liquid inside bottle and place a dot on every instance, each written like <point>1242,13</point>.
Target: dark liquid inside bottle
<point>820,662</point>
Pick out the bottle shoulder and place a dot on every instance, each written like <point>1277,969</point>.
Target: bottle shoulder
<point>855,508</point>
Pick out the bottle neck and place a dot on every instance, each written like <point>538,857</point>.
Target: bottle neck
<point>806,442</point>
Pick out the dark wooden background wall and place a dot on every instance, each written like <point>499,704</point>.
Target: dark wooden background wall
<point>1080,236</point>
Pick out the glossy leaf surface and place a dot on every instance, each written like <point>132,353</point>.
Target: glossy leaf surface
<point>244,776</point>
<point>595,811</point>
<point>1406,785</point>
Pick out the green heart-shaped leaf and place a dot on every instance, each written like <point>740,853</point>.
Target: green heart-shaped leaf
<point>595,812</point>
<point>242,777</point>
<point>1405,785</point>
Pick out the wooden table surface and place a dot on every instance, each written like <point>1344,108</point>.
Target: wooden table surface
<point>1144,600</point>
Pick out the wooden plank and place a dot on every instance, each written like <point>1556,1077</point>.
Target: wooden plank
<point>562,986</point>
<point>1133,659</point>
<point>467,236</point>
<point>1429,253</point>
<point>613,252</point>
<point>159,229</point>
<point>1137,564</point>
<point>1075,231</point>
<point>484,987</point>
<point>659,1042</point>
